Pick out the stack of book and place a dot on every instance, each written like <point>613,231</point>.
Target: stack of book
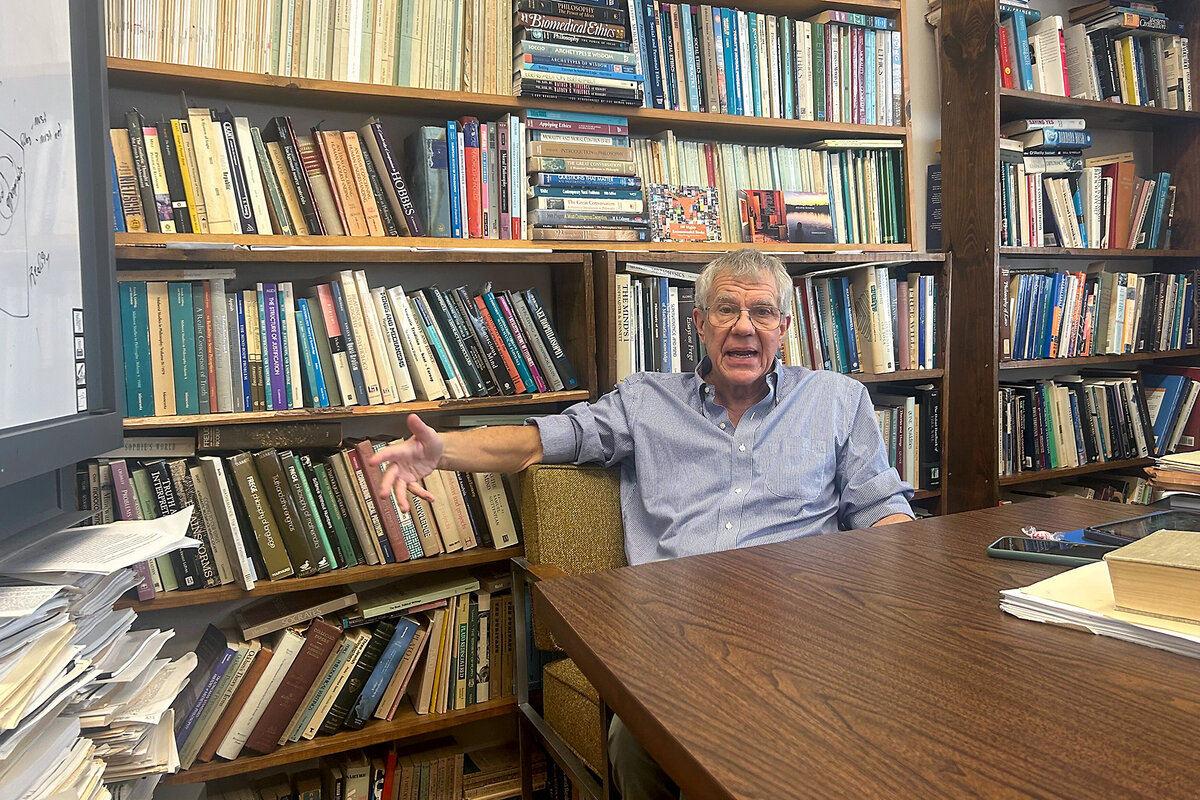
<point>468,177</point>
<point>193,347</point>
<point>215,173</point>
<point>1171,398</point>
<point>1176,473</point>
<point>273,514</point>
<point>1073,420</point>
<point>575,50</point>
<point>910,421</point>
<point>1112,487</point>
<point>451,45</point>
<point>1072,314</point>
<point>845,191</point>
<point>448,647</point>
<point>655,329</point>
<point>835,66</point>
<point>1052,196</point>
<point>584,181</point>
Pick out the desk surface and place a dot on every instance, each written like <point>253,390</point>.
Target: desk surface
<point>878,664</point>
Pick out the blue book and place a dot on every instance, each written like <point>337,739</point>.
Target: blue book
<point>575,116</point>
<point>264,336</point>
<point>1161,186</point>
<point>353,346</point>
<point>568,179</point>
<point>428,170</point>
<point>845,310</point>
<point>381,675</point>
<point>118,208</point>
<point>214,653</point>
<point>1024,64</point>
<point>135,342</point>
<point>922,320</point>
<point>1139,70</point>
<point>314,385</point>
<point>733,87</point>
<point>453,162</point>
<point>689,49</point>
<point>281,307</point>
<point>425,320</point>
<point>668,324</point>
<point>509,341</point>
<point>1077,202</point>
<point>618,71</point>
<point>933,320</point>
<point>1045,315</point>
<point>787,66</point>
<point>243,351</point>
<point>1021,337</point>
<point>1187,335</point>
<point>609,72</point>
<point>869,58</point>
<point>183,347</point>
<point>1080,452</point>
<point>650,40</point>
<point>1170,391</point>
<point>755,78</point>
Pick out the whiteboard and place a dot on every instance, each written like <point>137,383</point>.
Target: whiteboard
<point>42,373</point>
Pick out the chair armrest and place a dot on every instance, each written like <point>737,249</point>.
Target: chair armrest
<point>532,573</point>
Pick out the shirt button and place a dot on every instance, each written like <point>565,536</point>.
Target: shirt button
<point>728,525</point>
<point>742,447</point>
<point>722,426</point>
<point>737,491</point>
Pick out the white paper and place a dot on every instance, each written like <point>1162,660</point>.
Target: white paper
<point>102,549</point>
<point>150,706</point>
<point>20,601</point>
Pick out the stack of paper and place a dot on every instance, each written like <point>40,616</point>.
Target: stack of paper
<point>1179,472</point>
<point>1083,598</point>
<point>84,699</point>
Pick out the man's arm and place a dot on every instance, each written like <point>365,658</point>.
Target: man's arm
<point>871,493</point>
<point>892,519</point>
<point>507,448</point>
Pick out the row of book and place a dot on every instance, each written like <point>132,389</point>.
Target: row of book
<point>1052,196</point>
<point>1113,487</point>
<point>846,191</point>
<point>196,347</point>
<point>1171,399</point>
<point>454,45</point>
<point>1130,53</point>
<point>274,514</point>
<point>1098,312</point>
<point>1095,417</point>
<point>835,66</point>
<point>910,422</point>
<point>567,50</point>
<point>301,680</point>
<point>437,770</point>
<point>215,173</point>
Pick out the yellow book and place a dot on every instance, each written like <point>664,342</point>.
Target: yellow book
<point>161,367</point>
<point>181,132</point>
<point>1131,90</point>
<point>1158,575</point>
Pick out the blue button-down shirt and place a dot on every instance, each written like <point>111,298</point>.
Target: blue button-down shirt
<point>807,459</point>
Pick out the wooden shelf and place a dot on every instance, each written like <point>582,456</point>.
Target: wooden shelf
<point>223,248</point>
<point>338,577</point>
<point>406,726</point>
<point>1031,363</point>
<point>898,375</point>
<point>1093,253</point>
<point>354,412</point>
<point>927,494</point>
<point>1016,104</point>
<point>278,90</point>
<point>1066,472</point>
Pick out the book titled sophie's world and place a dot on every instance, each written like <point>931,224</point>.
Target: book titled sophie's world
<point>774,216</point>
<point>684,214</point>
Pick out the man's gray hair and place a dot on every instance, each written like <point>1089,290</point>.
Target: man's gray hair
<point>745,263</point>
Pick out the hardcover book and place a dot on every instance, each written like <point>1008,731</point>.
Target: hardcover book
<point>774,216</point>
<point>684,213</point>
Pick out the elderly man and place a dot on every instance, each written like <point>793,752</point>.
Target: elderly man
<point>743,451</point>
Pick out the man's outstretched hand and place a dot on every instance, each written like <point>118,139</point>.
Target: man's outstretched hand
<point>410,461</point>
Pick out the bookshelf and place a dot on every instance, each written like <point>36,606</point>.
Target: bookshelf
<point>578,275</point>
<point>973,107</point>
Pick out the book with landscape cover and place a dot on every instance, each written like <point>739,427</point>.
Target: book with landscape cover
<point>773,216</point>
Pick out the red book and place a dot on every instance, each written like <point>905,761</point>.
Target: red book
<point>389,775</point>
<point>1062,49</point>
<point>1006,76</point>
<point>709,166</point>
<point>494,332</point>
<point>387,512</point>
<point>471,162</point>
<point>319,641</point>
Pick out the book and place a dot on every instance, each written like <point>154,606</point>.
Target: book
<point>683,213</point>
<point>271,614</point>
<point>1158,575</point>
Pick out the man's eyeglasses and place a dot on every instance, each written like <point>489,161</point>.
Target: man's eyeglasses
<point>726,315</point>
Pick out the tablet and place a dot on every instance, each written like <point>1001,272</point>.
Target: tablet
<point>1130,530</point>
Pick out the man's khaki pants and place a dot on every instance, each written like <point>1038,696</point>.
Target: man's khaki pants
<point>637,775</point>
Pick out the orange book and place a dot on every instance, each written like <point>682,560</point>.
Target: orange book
<point>494,332</point>
<point>345,191</point>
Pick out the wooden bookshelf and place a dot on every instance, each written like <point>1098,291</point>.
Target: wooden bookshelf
<point>1019,478</point>
<point>927,494</point>
<point>338,577</point>
<point>974,106</point>
<point>1083,361</point>
<point>407,725</point>
<point>470,405</point>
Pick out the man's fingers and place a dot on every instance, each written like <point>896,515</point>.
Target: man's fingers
<point>420,491</point>
<point>420,430</point>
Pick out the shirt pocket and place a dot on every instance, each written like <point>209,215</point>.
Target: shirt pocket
<point>798,467</point>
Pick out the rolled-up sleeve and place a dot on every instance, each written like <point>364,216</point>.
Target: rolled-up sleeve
<point>870,488</point>
<point>591,433</point>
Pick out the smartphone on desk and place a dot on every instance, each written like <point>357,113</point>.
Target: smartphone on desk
<point>1048,550</point>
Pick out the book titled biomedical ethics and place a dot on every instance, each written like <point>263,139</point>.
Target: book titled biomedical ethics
<point>684,213</point>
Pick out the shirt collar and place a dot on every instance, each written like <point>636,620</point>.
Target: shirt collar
<point>773,378</point>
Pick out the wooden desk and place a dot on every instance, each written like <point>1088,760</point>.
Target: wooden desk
<point>878,664</point>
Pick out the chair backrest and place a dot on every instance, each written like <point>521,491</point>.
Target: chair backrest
<point>571,518</point>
